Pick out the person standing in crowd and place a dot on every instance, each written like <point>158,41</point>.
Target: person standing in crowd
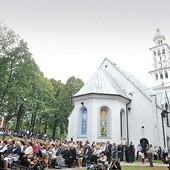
<point>139,149</point>
<point>108,151</point>
<point>114,151</point>
<point>127,152</point>
<point>150,155</point>
<point>120,151</point>
<point>159,153</point>
<point>142,157</point>
<point>155,153</point>
<point>131,152</point>
<point>164,154</point>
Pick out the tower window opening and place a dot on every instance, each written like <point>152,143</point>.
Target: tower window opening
<point>159,53</point>
<point>154,53</point>
<point>166,75</point>
<point>164,57</point>
<point>161,76</point>
<point>156,77</point>
<point>163,51</point>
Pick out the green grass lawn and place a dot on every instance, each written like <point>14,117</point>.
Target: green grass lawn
<point>140,168</point>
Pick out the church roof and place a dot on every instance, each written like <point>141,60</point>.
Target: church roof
<point>137,83</point>
<point>104,81</point>
<point>100,83</point>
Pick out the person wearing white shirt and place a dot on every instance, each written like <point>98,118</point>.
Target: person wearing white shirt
<point>4,147</point>
<point>29,150</point>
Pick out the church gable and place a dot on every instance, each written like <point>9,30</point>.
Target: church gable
<point>125,80</point>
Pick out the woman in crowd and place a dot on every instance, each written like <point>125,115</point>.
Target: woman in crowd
<point>14,156</point>
<point>95,155</point>
<point>79,153</point>
<point>115,165</point>
<point>102,162</point>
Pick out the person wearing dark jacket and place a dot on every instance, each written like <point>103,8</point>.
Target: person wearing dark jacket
<point>10,148</point>
<point>108,151</point>
<point>67,155</point>
<point>87,154</point>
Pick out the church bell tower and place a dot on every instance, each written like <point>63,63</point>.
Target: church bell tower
<point>161,62</point>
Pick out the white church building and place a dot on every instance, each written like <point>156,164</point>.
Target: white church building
<point>113,105</point>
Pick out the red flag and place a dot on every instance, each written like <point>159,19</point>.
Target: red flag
<point>3,122</point>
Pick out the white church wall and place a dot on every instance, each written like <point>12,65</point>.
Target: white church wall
<point>141,109</point>
<point>143,116</point>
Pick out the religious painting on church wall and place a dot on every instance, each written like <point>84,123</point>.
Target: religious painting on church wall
<point>84,122</point>
<point>103,122</point>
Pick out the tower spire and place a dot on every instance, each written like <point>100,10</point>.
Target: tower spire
<point>158,38</point>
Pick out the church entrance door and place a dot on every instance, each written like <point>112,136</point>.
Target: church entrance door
<point>143,143</point>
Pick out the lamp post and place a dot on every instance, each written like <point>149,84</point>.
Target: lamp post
<point>163,115</point>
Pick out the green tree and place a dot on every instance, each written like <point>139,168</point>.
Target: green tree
<point>24,91</point>
<point>31,100</point>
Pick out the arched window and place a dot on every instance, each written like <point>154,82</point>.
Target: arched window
<point>163,51</point>
<point>123,126</point>
<point>154,53</point>
<point>84,121</point>
<point>103,122</point>
<point>156,77</point>
<point>161,76</point>
<point>166,74</point>
<point>159,52</point>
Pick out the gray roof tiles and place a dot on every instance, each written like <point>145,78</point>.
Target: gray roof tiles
<point>104,81</point>
<point>98,83</point>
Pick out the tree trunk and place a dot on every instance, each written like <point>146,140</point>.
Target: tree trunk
<point>19,115</point>
<point>45,129</point>
<point>54,130</point>
<point>33,119</point>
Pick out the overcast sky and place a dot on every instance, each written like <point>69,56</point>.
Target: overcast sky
<point>72,37</point>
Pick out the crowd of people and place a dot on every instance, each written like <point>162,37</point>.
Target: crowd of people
<point>100,155</point>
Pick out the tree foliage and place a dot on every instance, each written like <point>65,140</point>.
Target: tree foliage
<point>31,100</point>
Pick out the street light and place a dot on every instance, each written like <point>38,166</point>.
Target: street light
<point>164,114</point>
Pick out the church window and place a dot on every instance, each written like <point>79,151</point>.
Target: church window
<point>166,106</point>
<point>103,122</point>
<point>123,127</point>
<point>84,121</point>
<point>161,76</point>
<point>154,53</point>
<point>166,74</point>
<point>164,57</point>
<point>168,120</point>
<point>159,52</point>
<point>163,51</point>
<point>156,77</point>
